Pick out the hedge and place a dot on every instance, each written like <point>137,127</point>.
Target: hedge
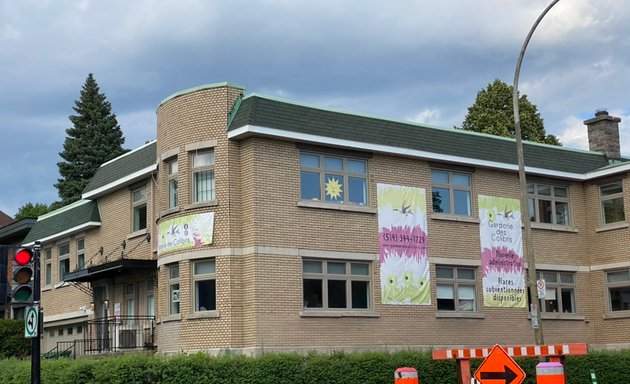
<point>12,340</point>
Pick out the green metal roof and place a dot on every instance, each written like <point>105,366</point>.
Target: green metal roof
<point>118,170</point>
<point>256,110</point>
<point>75,215</point>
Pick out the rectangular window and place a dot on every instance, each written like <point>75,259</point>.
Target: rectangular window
<point>333,179</point>
<point>173,282</point>
<point>559,292</point>
<point>172,183</point>
<point>48,266</point>
<point>79,329</point>
<point>548,203</point>
<point>333,284</point>
<point>451,193</point>
<point>456,289</point>
<point>70,331</point>
<point>203,176</point>
<point>64,260</point>
<point>618,286</point>
<point>80,253</point>
<point>611,198</point>
<point>150,298</point>
<point>205,282</point>
<point>139,204</point>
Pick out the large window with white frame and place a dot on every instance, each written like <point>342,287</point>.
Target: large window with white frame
<point>333,179</point>
<point>205,285</point>
<point>173,284</point>
<point>336,284</point>
<point>80,253</point>
<point>451,192</point>
<point>618,287</point>
<point>64,260</point>
<point>548,203</point>
<point>47,266</point>
<point>172,168</point>
<point>456,288</point>
<point>559,292</point>
<point>203,180</point>
<point>139,206</point>
<point>611,202</point>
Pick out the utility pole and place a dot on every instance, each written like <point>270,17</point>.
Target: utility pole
<point>527,229</point>
<point>36,355</point>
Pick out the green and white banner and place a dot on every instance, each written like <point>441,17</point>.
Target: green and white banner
<point>402,226</point>
<point>187,232</point>
<point>500,234</point>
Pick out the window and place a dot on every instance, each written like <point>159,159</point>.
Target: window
<point>559,292</point>
<point>173,282</point>
<point>336,284</point>
<point>333,179</point>
<point>60,332</point>
<point>64,260</point>
<point>451,193</point>
<point>150,298</point>
<point>618,286</point>
<point>130,301</point>
<point>70,331</point>
<point>611,197</point>
<point>204,276</point>
<point>48,266</point>
<point>79,329</point>
<point>80,253</point>
<point>203,176</point>
<point>456,289</point>
<point>139,202</point>
<point>548,203</point>
<point>172,183</point>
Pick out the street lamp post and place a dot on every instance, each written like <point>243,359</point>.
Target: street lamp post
<point>527,229</point>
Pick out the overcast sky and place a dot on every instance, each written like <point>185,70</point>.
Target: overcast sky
<point>417,60</point>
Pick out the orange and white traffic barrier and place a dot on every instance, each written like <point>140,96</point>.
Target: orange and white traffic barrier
<point>518,351</point>
<point>550,373</point>
<point>406,376</point>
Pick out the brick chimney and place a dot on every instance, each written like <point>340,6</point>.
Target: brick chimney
<point>603,134</point>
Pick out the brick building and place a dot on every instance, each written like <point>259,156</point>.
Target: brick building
<point>251,224</point>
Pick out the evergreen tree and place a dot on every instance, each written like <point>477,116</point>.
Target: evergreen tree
<point>493,113</point>
<point>94,139</point>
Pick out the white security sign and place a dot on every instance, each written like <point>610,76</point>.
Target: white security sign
<point>542,289</point>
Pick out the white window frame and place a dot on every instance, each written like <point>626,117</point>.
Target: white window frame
<point>456,283</point>
<point>621,282</point>
<point>326,175</point>
<point>172,169</point>
<point>173,289</point>
<point>138,204</point>
<point>199,278</point>
<point>606,197</point>
<point>534,198</point>
<point>452,188</point>
<point>63,258</point>
<point>80,253</point>
<point>325,276</point>
<point>200,166</point>
<point>554,286</point>
<point>48,267</point>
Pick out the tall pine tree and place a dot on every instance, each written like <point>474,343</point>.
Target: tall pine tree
<point>94,138</point>
<point>493,113</point>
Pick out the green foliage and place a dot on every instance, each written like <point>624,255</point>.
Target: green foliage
<point>493,113</point>
<point>31,210</point>
<point>12,340</point>
<point>94,139</point>
<point>286,368</point>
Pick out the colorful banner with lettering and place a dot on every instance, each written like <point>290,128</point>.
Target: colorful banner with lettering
<point>402,223</point>
<point>503,271</point>
<point>192,231</point>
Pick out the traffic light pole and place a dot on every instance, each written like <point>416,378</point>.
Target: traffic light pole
<point>36,354</point>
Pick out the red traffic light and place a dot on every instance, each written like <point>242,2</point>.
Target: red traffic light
<point>23,256</point>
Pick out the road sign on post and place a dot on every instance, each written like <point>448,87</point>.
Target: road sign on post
<point>499,368</point>
<point>31,321</point>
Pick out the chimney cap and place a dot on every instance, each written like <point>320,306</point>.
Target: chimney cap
<point>601,111</point>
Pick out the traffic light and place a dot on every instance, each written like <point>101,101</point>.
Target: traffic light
<point>23,271</point>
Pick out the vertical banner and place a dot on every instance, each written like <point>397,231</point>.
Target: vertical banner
<point>402,226</point>
<point>501,240</point>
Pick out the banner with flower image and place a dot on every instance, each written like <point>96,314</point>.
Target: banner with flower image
<point>402,226</point>
<point>503,270</point>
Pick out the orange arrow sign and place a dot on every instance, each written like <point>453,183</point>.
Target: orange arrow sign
<point>499,368</point>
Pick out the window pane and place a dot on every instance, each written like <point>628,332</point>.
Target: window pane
<point>462,202</point>
<point>80,244</point>
<point>174,271</point>
<point>439,177</point>
<point>568,300</point>
<point>466,292</point>
<point>172,167</point>
<point>334,188</point>
<point>550,277</point>
<point>312,293</point>
<point>202,159</point>
<point>613,210</point>
<point>360,269</point>
<point>204,267</point>
<point>204,185</point>
<point>205,295</point>
<point>336,268</point>
<point>562,213</point>
<point>444,273</point>
<point>532,209</point>
<point>174,298</point>
<point>64,249</point>
<point>459,179</point>
<point>360,294</point>
<point>309,186</point>
<point>307,160</point>
<point>172,193</point>
<point>614,277</point>
<point>619,299</point>
<point>466,273</point>
<point>544,190</point>
<point>140,217</point>
<point>355,166</point>
<point>48,274</point>
<point>441,200</point>
<point>560,191</point>
<point>550,294</point>
<point>530,188</point>
<point>337,294</point>
<point>311,266</point>
<point>566,278</point>
<point>444,291</point>
<point>544,211</point>
<point>139,195</point>
<point>333,163</point>
<point>357,192</point>
<point>610,189</point>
